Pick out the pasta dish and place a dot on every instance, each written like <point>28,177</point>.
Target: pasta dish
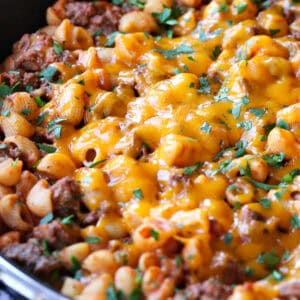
<point>151,150</point>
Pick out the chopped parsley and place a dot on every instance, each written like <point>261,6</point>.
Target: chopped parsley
<point>240,8</point>
<point>265,202</point>
<point>39,101</point>
<point>223,8</point>
<point>93,240</point>
<point>227,238</point>
<point>245,171</point>
<point>276,275</point>
<point>274,160</point>
<point>138,193</point>
<point>181,49</point>
<point>46,148</point>
<point>262,186</point>
<point>295,221</point>
<point>216,52</point>
<point>137,3</point>
<point>258,112</point>
<point>288,178</point>
<point>111,40</point>
<point>45,247</point>
<point>249,271</point>
<point>26,111</point>
<point>167,16</point>
<point>48,73</point>
<point>75,263</point>
<point>206,128</point>
<point>222,94</point>
<point>240,148</point>
<point>191,169</point>
<point>282,124</point>
<point>236,110</point>
<point>41,118</point>
<point>68,220</point>
<point>6,90</point>
<point>274,31</point>
<point>96,163</point>
<point>204,87</point>
<point>247,125</point>
<point>154,234</point>
<point>6,113</point>
<point>270,259</point>
<point>48,218</point>
<point>57,48</point>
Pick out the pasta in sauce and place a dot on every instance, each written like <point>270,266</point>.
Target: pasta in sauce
<point>150,150</point>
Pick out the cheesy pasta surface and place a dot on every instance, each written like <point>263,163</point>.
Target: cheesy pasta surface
<point>151,150</point>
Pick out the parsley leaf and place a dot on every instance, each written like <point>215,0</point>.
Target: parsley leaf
<point>247,125</point>
<point>57,47</point>
<point>240,8</point>
<point>222,94</point>
<point>48,218</point>
<point>46,148</point>
<point>96,163</point>
<point>282,124</point>
<point>154,234</point>
<point>288,178</point>
<point>167,16</point>
<point>68,220</point>
<point>48,73</point>
<point>204,87</point>
<point>240,148</point>
<point>191,169</point>
<point>76,263</point>
<point>270,259</point>
<point>111,293</point>
<point>276,275</point>
<point>206,128</point>
<point>181,49</point>
<point>265,202</point>
<point>274,160</point>
<point>223,8</point>
<point>39,101</point>
<point>257,112</point>
<point>295,221</point>
<point>227,238</point>
<point>263,186</point>
<point>138,193</point>
<point>111,40</point>
<point>93,240</point>
<point>274,31</point>
<point>216,52</point>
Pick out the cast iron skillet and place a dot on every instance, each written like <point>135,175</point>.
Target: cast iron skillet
<point>16,18</point>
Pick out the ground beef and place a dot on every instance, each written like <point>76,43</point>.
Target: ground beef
<point>100,15</point>
<point>32,52</point>
<point>10,151</point>
<point>208,290</point>
<point>91,218</point>
<point>66,197</point>
<point>248,215</point>
<point>290,290</point>
<point>30,255</point>
<point>215,228</point>
<point>57,234</point>
<point>228,269</point>
<point>80,13</point>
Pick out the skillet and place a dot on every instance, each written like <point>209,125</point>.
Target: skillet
<point>16,18</point>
